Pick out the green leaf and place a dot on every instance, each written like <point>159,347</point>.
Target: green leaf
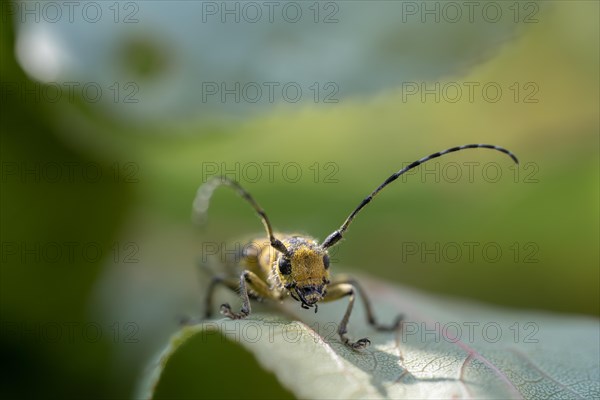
<point>444,349</point>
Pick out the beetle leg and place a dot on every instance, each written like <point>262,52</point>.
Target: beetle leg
<point>231,284</point>
<point>349,287</point>
<point>369,310</point>
<point>335,292</point>
<point>257,285</point>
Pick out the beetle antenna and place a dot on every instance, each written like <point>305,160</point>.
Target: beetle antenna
<point>205,192</point>
<point>336,236</point>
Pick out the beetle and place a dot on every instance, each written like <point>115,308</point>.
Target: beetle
<point>299,265</point>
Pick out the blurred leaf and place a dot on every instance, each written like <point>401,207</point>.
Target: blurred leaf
<point>446,349</point>
<point>170,65</point>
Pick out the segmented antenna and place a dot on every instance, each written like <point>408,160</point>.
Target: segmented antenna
<point>205,192</point>
<point>336,236</point>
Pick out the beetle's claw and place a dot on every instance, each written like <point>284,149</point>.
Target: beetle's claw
<point>360,344</point>
<point>226,311</point>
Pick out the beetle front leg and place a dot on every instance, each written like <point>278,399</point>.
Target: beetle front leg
<point>247,278</point>
<point>369,310</point>
<point>336,292</point>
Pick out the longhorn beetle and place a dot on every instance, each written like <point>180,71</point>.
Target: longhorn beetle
<point>299,266</point>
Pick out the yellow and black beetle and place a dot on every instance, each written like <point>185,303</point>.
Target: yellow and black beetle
<point>299,266</point>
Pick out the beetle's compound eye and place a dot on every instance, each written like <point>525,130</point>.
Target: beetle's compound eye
<point>326,261</point>
<point>285,266</point>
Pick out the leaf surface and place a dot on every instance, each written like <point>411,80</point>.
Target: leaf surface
<point>444,349</point>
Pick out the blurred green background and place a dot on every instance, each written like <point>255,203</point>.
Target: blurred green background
<point>85,326</point>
